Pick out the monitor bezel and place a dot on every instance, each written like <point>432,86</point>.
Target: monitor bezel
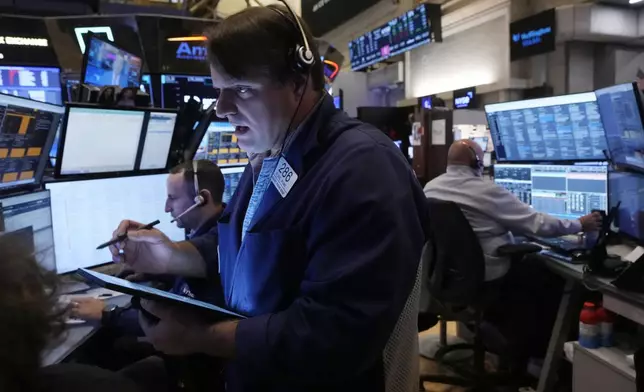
<point>111,174</point>
<point>88,38</point>
<point>539,161</point>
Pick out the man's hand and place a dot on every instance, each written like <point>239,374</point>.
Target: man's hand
<point>181,332</point>
<point>144,251</point>
<point>89,309</point>
<point>591,222</point>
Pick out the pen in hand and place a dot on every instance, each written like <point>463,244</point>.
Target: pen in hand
<point>122,237</point>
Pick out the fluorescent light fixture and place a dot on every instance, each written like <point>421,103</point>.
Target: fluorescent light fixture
<point>634,1</point>
<point>81,31</point>
<point>187,39</point>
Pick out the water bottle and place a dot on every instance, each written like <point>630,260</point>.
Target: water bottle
<point>589,326</point>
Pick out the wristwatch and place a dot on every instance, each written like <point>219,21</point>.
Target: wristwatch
<point>109,312</point>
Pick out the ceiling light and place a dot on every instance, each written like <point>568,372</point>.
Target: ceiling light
<point>634,1</point>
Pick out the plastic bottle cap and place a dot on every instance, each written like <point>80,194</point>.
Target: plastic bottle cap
<point>589,305</point>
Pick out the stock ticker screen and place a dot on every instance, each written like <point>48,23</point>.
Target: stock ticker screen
<point>404,33</point>
<point>37,83</point>
<point>564,191</point>
<point>27,130</point>
<point>219,145</point>
<point>178,89</point>
<point>564,128</point>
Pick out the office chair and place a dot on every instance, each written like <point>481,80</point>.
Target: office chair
<point>454,289</point>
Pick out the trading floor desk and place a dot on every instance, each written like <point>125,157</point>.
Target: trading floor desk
<point>625,303</point>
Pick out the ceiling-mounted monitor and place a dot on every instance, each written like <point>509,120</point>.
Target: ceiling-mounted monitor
<point>414,28</point>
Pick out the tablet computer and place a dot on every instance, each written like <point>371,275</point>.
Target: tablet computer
<point>142,291</point>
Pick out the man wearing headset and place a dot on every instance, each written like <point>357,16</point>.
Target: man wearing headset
<point>320,245</point>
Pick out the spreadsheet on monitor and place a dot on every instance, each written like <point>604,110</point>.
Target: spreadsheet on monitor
<point>158,139</point>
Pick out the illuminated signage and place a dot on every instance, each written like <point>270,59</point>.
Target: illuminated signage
<point>426,102</point>
<point>465,98</point>
<point>23,41</point>
<point>534,35</point>
<point>186,51</point>
<point>104,32</point>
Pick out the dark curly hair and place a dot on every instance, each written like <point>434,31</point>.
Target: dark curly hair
<point>29,315</point>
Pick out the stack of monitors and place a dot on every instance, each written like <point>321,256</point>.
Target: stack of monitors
<point>178,89</point>
<point>37,83</point>
<point>27,132</point>
<point>97,141</point>
<point>102,204</point>
<point>105,64</point>
<point>564,191</point>
<point>219,145</point>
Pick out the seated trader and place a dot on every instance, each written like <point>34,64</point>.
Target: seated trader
<point>494,213</point>
<point>199,217</point>
<point>30,321</point>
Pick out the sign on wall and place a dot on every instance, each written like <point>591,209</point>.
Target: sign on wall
<point>25,41</point>
<point>323,16</point>
<point>465,98</point>
<point>533,35</point>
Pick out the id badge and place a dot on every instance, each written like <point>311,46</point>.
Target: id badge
<point>284,177</point>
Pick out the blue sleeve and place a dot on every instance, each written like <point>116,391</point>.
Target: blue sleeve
<point>363,252</point>
<point>207,245</point>
<point>128,322</point>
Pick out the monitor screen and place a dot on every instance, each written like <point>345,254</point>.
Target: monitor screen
<point>29,217</point>
<point>408,31</point>
<point>628,188</point>
<point>102,204</point>
<point>158,138</point>
<point>37,83</point>
<point>100,140</point>
<point>107,65</point>
<point>219,145</point>
<point>564,191</point>
<point>177,90</point>
<point>563,128</point>
<point>26,134</point>
<point>232,175</point>
<point>620,108</point>
<point>481,141</point>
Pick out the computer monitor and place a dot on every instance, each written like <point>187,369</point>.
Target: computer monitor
<point>627,188</point>
<point>621,110</point>
<point>105,64</point>
<point>27,131</point>
<point>232,175</point>
<point>37,83</point>
<point>178,89</point>
<point>85,214</point>
<point>481,141</point>
<point>29,218</point>
<point>564,191</point>
<point>563,128</point>
<point>219,145</point>
<point>96,140</point>
<point>158,139</point>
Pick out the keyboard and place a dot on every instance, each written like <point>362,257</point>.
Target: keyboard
<point>559,243</point>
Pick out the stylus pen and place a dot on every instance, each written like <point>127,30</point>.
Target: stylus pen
<point>123,237</point>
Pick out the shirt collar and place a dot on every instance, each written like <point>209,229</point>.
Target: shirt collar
<point>207,226</point>
<point>463,170</point>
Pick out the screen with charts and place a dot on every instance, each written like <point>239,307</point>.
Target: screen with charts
<point>232,176</point>
<point>101,205</point>
<point>37,83</point>
<point>100,140</point>
<point>627,188</point>
<point>107,65</point>
<point>408,31</point>
<point>621,111</point>
<point>564,191</point>
<point>28,217</point>
<point>158,138</point>
<point>178,89</point>
<point>563,128</point>
<point>219,145</point>
<point>26,133</point>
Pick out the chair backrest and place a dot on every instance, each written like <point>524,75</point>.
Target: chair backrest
<point>453,260</point>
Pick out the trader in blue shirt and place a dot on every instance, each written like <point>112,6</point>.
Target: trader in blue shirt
<point>321,243</point>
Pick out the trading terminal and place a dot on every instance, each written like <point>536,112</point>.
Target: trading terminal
<point>73,156</point>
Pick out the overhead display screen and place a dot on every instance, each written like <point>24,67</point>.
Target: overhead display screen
<point>533,35</point>
<point>323,16</point>
<point>563,128</point>
<point>108,65</point>
<point>37,83</point>
<point>620,107</point>
<point>176,90</point>
<point>24,41</point>
<point>408,31</point>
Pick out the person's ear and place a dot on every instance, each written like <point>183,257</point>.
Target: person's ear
<point>207,196</point>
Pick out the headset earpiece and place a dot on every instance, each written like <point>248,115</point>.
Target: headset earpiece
<point>199,200</point>
<point>303,55</point>
<point>475,163</point>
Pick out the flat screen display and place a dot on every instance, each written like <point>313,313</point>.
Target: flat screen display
<point>563,128</point>
<point>27,130</point>
<point>146,86</point>
<point>232,176</point>
<point>628,188</point>
<point>465,98</point>
<point>564,191</point>
<point>37,83</point>
<point>533,35</point>
<point>408,31</point>
<point>158,139</point>
<point>219,145</point>
<point>108,65</point>
<point>176,90</point>
<point>621,111</point>
<point>102,204</point>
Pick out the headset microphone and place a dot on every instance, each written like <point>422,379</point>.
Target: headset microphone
<point>199,200</point>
